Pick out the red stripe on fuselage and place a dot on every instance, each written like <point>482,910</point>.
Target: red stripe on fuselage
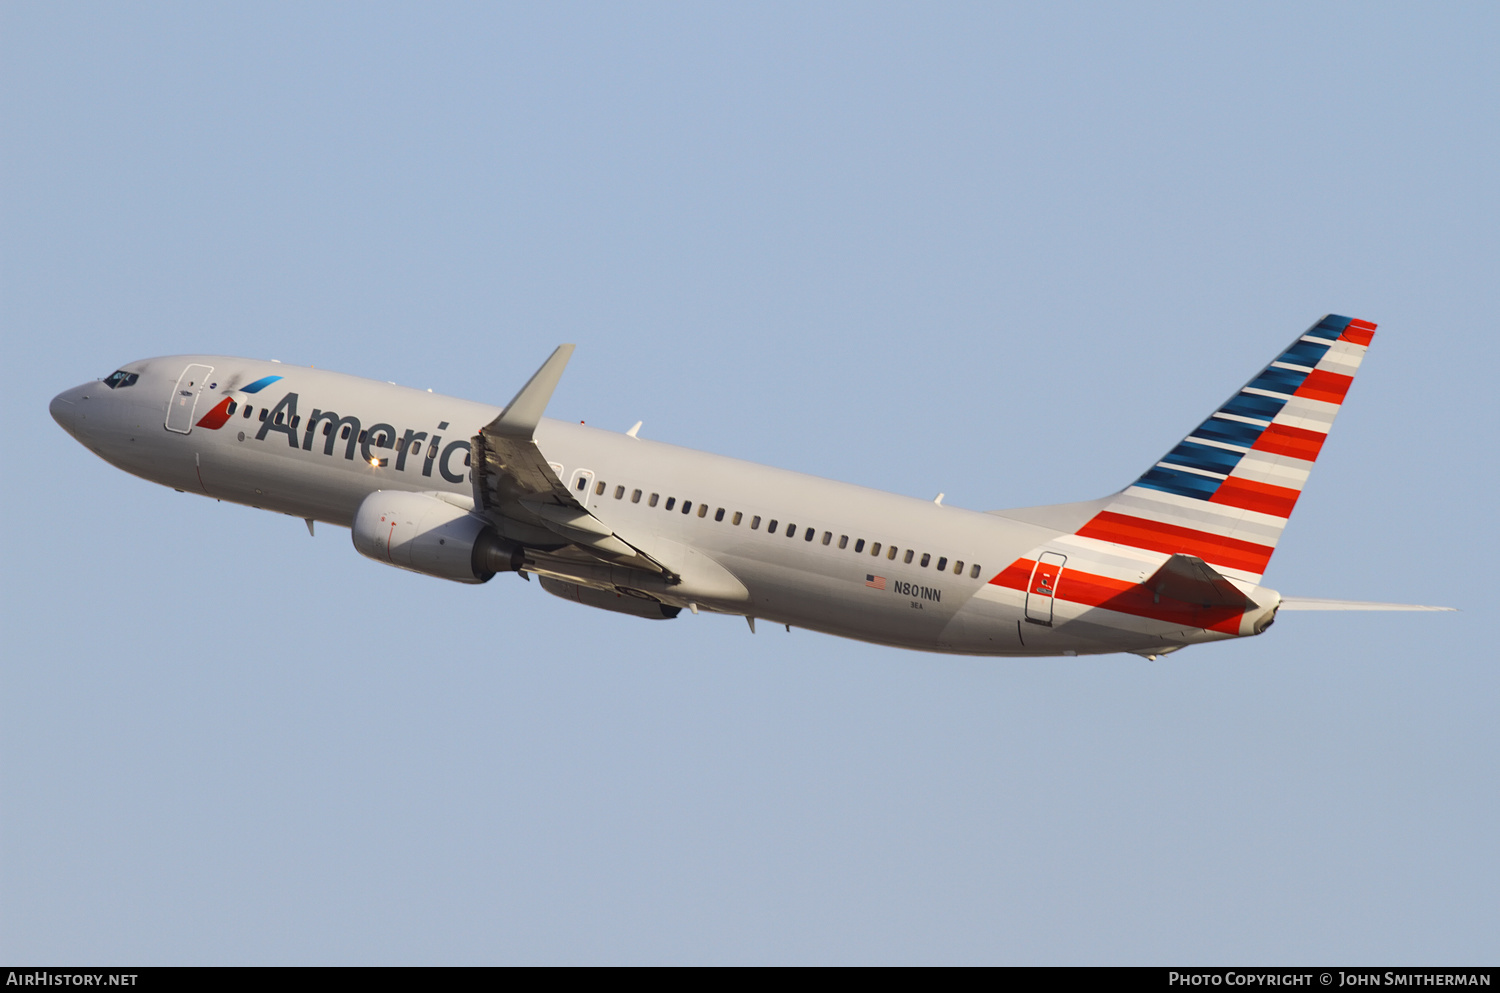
<point>1215,549</point>
<point>1106,593</point>
<point>214,419</point>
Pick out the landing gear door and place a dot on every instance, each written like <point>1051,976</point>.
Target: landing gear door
<point>184,399</point>
<point>1041,591</point>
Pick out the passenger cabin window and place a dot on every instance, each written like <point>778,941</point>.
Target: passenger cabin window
<point>942,563</point>
<point>737,518</point>
<point>652,501</point>
<point>598,489</point>
<point>875,548</point>
<point>635,496</point>
<point>809,535</point>
<point>263,413</point>
<point>974,571</point>
<point>754,522</point>
<point>344,434</point>
<point>231,408</point>
<point>909,554</point>
<point>859,545</point>
<point>958,568</point>
<point>703,511</point>
<point>582,482</point>
<point>687,505</point>
<point>719,514</point>
<point>827,537</point>
<point>671,502</point>
<point>248,411</point>
<point>620,493</point>
<point>925,559</point>
<point>843,541</point>
<point>891,554</point>
<point>791,530</point>
<point>772,526</point>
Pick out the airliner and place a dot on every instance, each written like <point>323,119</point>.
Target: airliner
<point>463,491</point>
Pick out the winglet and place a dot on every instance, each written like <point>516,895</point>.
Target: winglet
<point>521,416</point>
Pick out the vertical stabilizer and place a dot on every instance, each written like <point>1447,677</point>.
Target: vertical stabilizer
<point>1225,492</point>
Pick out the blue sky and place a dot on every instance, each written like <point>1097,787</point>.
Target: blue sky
<point>1012,253</point>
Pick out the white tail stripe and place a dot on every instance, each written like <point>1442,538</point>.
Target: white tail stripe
<point>1243,420</point>
<point>1217,444</point>
<point>1196,472</point>
<point>1314,415</point>
<point>1270,469</point>
<point>1213,518</point>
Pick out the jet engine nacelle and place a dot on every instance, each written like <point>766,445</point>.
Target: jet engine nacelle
<point>423,533</point>
<point>606,600</point>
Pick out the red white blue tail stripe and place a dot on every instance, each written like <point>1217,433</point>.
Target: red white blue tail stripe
<point>1224,493</point>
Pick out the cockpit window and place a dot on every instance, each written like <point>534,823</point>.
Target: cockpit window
<point>122,378</point>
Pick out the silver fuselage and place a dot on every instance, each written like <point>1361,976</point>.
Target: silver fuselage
<point>811,577</point>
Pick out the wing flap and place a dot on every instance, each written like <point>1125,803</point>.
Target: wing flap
<point>513,480</point>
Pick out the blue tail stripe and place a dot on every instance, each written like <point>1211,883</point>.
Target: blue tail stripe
<point>1329,327</point>
<point>1229,432</point>
<point>1181,483</point>
<point>1204,457</point>
<point>1308,353</point>
<point>1278,380</point>
<point>1250,405</point>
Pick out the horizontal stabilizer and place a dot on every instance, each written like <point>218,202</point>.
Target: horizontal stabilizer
<point>1189,579</point>
<point>1312,603</point>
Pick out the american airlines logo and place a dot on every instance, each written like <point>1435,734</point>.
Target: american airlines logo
<point>283,418</point>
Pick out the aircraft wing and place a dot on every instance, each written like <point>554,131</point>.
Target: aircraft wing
<point>514,482</point>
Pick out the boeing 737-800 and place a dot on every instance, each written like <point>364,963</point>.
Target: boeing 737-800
<point>463,490</point>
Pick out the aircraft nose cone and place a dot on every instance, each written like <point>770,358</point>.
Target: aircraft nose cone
<point>64,409</point>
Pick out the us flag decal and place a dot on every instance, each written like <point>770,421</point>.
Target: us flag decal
<point>875,582</point>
